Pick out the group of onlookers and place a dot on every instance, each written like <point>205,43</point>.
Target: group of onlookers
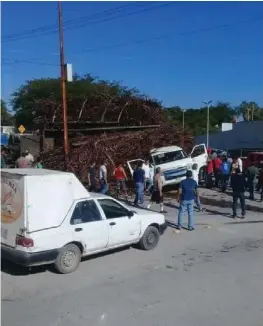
<point>223,168</point>
<point>103,178</point>
<point>25,161</point>
<point>142,179</point>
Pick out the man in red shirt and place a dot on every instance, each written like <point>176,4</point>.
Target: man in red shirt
<point>216,165</point>
<point>210,170</point>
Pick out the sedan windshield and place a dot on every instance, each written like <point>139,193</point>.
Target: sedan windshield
<point>168,157</point>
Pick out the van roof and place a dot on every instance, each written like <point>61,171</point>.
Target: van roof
<point>165,149</point>
<point>33,172</point>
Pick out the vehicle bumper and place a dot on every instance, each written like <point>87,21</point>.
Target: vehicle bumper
<point>162,228</point>
<point>28,258</point>
<point>173,181</point>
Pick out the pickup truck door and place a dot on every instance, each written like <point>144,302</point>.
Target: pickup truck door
<point>89,226</point>
<point>122,227</point>
<point>132,165</point>
<point>199,155</point>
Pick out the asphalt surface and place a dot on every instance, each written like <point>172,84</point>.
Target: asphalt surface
<point>212,276</point>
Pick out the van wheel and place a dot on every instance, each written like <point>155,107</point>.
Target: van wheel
<point>68,259</point>
<point>150,238</point>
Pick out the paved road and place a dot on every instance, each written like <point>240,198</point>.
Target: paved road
<point>209,277</point>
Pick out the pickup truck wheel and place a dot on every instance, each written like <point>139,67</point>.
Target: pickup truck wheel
<point>68,259</point>
<point>150,238</point>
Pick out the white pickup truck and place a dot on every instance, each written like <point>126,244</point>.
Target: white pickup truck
<point>49,217</point>
<point>174,162</point>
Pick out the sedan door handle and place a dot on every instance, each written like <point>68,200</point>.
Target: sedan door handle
<point>112,223</point>
<point>78,229</point>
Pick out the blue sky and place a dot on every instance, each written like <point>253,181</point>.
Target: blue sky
<point>196,61</point>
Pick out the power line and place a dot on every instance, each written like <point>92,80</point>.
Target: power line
<point>83,24</point>
<point>195,31</point>
<point>67,22</point>
<point>11,62</point>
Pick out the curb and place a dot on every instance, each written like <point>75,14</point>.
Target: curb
<point>225,203</point>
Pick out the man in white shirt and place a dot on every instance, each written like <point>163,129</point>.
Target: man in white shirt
<point>240,164</point>
<point>29,157</point>
<point>103,179</point>
<point>148,175</point>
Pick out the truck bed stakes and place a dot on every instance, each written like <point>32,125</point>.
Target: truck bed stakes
<point>115,147</point>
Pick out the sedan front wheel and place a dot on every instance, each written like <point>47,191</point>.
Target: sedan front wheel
<point>150,238</point>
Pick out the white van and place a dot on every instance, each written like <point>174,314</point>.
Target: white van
<point>49,217</point>
<point>174,162</point>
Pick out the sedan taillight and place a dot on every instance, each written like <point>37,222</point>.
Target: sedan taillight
<point>24,242</point>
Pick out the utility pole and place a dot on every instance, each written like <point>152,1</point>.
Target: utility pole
<point>63,83</point>
<point>183,110</point>
<point>253,111</point>
<point>207,103</point>
<point>248,113</point>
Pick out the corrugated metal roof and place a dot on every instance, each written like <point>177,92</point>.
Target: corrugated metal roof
<point>247,134</point>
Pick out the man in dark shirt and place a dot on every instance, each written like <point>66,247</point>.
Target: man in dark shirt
<point>187,194</point>
<point>139,183</point>
<point>238,184</point>
<point>92,178</point>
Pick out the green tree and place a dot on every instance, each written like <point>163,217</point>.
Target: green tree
<point>196,119</point>
<point>250,110</point>
<point>6,116</point>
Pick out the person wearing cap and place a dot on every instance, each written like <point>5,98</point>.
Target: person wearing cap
<point>188,193</point>
<point>238,184</point>
<point>29,157</point>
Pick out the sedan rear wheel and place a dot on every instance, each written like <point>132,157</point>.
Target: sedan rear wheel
<point>68,259</point>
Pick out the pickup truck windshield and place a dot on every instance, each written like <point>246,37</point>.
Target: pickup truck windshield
<point>168,157</point>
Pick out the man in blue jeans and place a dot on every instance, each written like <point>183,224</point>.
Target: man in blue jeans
<point>139,182</point>
<point>187,195</point>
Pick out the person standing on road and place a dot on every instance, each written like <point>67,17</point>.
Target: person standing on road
<point>225,173</point>
<point>196,178</point>
<point>39,163</point>
<point>187,194</point>
<point>30,158</point>
<point>157,195</point>
<point>216,165</point>
<point>238,184</point>
<point>251,174</point>
<point>210,171</point>
<point>260,181</point>
<point>103,179</point>
<point>139,183</point>
<point>148,176</point>
<point>22,162</point>
<point>92,177</point>
<point>3,155</point>
<point>121,177</point>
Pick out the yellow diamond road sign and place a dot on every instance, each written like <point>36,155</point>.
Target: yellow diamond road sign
<point>22,129</point>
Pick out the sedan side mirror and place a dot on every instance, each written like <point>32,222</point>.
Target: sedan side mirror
<point>130,214</point>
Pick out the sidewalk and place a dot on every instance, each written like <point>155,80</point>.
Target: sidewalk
<point>219,199</point>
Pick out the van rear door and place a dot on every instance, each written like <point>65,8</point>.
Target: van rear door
<point>132,165</point>
<point>12,207</point>
<point>199,155</point>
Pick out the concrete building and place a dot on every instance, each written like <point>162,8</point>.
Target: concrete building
<point>242,136</point>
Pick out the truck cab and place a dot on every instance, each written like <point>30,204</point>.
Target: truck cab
<point>174,162</point>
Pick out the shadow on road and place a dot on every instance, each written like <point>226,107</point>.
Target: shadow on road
<point>244,222</point>
<point>214,212</point>
<point>10,268</point>
<point>17,270</point>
